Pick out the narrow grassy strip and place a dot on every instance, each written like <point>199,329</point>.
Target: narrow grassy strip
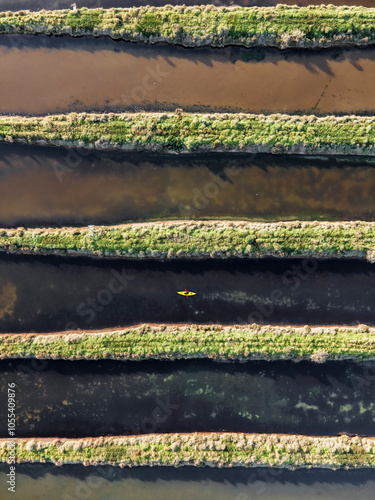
<point>192,239</point>
<point>200,449</point>
<point>217,342</point>
<point>196,132</point>
<point>281,26</point>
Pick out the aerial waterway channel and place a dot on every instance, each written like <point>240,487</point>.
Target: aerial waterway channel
<point>46,294</point>
<point>41,75</point>
<point>41,186</point>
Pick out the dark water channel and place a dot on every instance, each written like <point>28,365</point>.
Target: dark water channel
<point>46,294</point>
<point>81,398</point>
<point>57,186</point>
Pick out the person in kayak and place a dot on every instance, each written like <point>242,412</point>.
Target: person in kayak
<point>186,293</point>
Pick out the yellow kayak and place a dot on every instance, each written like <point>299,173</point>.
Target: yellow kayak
<point>186,293</point>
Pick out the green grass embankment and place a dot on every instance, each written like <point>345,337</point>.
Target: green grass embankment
<point>217,342</point>
<point>281,26</point>
<point>186,132</point>
<point>200,449</point>
<point>191,239</point>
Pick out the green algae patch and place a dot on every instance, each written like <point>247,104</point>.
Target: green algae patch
<point>196,26</point>
<point>216,342</point>
<point>208,239</point>
<point>200,449</point>
<point>197,132</point>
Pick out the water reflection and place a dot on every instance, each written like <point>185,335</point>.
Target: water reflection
<point>52,186</point>
<point>104,75</point>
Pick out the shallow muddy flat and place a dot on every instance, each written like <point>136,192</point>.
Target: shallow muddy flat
<point>57,186</point>
<point>85,399</point>
<point>167,483</point>
<point>66,74</point>
<point>46,294</point>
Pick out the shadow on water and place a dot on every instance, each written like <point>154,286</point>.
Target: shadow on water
<point>83,399</point>
<point>104,75</point>
<point>39,481</point>
<point>79,293</point>
<point>52,186</point>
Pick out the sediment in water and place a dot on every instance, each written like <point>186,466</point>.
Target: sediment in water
<point>114,187</point>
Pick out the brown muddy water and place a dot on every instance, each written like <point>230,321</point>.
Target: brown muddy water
<point>46,294</point>
<point>59,74</point>
<point>57,186</point>
<point>76,482</point>
<point>84,398</point>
